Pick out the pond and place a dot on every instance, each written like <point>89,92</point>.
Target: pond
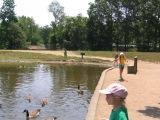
<point>56,82</point>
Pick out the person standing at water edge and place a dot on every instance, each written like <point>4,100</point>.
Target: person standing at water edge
<point>122,61</point>
<point>115,95</point>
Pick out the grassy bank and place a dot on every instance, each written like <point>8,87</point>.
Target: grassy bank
<point>15,56</point>
<point>6,55</point>
<point>44,56</point>
<point>145,56</point>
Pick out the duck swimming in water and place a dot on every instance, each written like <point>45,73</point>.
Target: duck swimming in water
<point>44,102</point>
<point>29,98</point>
<point>32,114</point>
<point>79,90</point>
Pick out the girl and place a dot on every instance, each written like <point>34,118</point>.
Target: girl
<point>122,61</point>
<point>115,62</point>
<point>115,95</point>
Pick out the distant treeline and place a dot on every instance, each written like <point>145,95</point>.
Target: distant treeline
<point>112,25</point>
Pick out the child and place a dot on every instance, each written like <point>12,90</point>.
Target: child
<point>122,61</point>
<point>115,95</point>
<point>115,63</point>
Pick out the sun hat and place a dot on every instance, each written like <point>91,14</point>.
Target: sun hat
<point>116,89</point>
<point>121,53</point>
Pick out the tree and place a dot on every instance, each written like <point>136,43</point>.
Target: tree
<point>100,26</point>
<point>30,29</point>
<point>45,33</point>
<point>16,39</point>
<point>7,13</point>
<point>12,36</point>
<point>75,33</point>
<point>125,23</point>
<point>57,10</point>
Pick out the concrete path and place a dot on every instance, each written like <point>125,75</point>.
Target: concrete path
<point>143,101</point>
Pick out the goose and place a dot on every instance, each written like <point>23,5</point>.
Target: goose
<point>44,102</point>
<point>32,114</point>
<point>88,101</point>
<point>79,90</point>
<point>51,118</point>
<point>29,98</point>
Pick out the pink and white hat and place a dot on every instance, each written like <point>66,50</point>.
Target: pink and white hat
<point>116,89</point>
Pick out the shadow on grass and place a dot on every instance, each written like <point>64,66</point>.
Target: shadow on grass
<point>153,112</point>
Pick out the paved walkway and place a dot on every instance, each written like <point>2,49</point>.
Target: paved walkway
<point>143,101</point>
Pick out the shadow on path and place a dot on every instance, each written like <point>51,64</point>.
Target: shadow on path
<point>151,112</point>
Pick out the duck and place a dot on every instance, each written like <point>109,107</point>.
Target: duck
<point>51,118</point>
<point>32,114</point>
<point>80,91</point>
<point>88,101</point>
<point>29,98</point>
<point>44,102</point>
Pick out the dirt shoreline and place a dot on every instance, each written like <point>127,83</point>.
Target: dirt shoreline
<point>106,65</point>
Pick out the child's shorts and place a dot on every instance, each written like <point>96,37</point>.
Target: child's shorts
<point>121,66</point>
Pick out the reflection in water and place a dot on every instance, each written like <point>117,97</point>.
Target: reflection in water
<point>57,82</point>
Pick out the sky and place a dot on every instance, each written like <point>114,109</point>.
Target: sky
<point>38,9</point>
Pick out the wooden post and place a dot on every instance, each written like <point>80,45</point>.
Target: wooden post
<point>135,64</point>
<point>132,69</point>
<point>82,53</point>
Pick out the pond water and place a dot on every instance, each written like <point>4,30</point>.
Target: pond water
<point>57,82</point>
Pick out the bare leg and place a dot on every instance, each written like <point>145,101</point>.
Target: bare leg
<point>121,71</point>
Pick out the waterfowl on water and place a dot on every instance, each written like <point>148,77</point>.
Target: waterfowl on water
<point>88,101</point>
<point>32,114</point>
<point>44,102</point>
<point>29,98</point>
<point>51,118</point>
<point>79,90</point>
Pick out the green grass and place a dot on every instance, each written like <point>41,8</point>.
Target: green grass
<point>9,55</point>
<point>145,56</point>
<point>17,56</point>
<point>28,56</point>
